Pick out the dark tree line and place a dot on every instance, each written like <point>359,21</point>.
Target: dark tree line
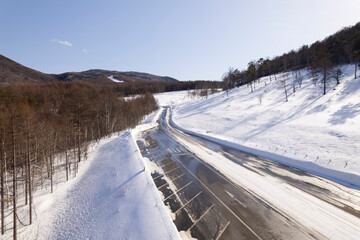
<point>39,122</point>
<point>133,88</point>
<point>320,57</point>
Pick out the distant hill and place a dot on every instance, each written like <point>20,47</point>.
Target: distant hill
<point>12,72</point>
<point>98,75</point>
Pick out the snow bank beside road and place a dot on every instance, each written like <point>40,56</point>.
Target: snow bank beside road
<point>115,199</point>
<point>149,122</point>
<point>317,133</point>
<point>112,197</point>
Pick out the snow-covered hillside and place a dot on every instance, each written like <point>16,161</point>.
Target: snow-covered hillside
<point>315,132</point>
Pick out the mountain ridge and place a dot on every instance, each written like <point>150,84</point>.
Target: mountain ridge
<point>14,73</point>
<point>100,74</point>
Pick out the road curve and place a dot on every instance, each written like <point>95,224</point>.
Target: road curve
<point>216,192</point>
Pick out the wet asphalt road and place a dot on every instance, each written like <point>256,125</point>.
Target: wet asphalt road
<point>208,205</point>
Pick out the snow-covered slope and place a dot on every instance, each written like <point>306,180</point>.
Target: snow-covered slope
<point>115,80</point>
<point>318,133</point>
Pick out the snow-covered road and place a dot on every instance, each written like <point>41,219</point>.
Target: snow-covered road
<point>247,196</point>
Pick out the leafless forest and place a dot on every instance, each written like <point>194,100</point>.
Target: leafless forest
<point>39,122</point>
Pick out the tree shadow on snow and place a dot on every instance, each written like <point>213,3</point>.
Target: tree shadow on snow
<point>131,178</point>
<point>346,112</point>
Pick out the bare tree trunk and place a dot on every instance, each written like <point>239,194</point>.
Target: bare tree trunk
<point>2,169</point>
<point>283,85</point>
<point>92,134</point>
<point>66,156</point>
<point>106,116</point>
<point>29,190</point>
<point>98,127</point>
<point>8,200</point>
<point>51,172</point>
<point>27,157</point>
<point>52,154</point>
<point>14,175</point>
<point>47,164</point>
<point>78,143</point>
<point>28,163</point>
<point>26,181</point>
<point>300,79</point>
<point>75,161</point>
<point>324,81</point>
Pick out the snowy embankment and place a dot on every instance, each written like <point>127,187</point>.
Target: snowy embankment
<point>112,197</point>
<point>314,132</point>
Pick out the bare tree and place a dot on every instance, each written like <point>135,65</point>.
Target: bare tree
<point>39,122</point>
<point>27,113</point>
<point>2,167</point>
<point>227,80</point>
<point>336,74</point>
<point>283,85</point>
<point>14,177</point>
<point>251,74</point>
<point>353,54</point>
<point>299,78</point>
<point>356,61</point>
<point>322,67</point>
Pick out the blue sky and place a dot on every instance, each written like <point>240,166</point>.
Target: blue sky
<point>185,39</point>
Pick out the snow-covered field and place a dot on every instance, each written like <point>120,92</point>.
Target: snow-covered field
<point>112,197</point>
<point>315,132</point>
